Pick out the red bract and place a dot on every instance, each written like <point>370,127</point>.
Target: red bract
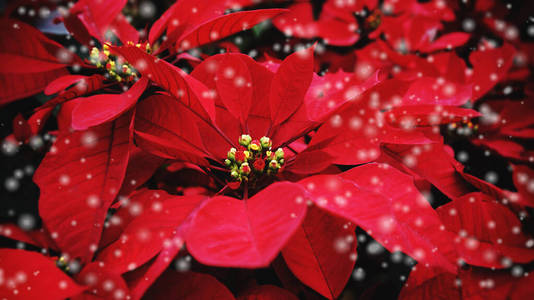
<point>28,275</point>
<point>87,168</point>
<point>31,274</point>
<point>489,235</point>
<point>100,20</point>
<point>30,60</point>
<point>193,23</point>
<point>505,128</point>
<point>249,232</point>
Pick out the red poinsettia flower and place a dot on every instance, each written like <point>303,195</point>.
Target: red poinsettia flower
<point>241,122</point>
<point>70,168</point>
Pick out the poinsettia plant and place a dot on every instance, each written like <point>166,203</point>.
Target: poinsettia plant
<point>238,149</point>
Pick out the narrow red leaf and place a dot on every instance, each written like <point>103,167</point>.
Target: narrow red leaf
<point>78,179</point>
<point>432,163</point>
<point>62,83</point>
<point>156,124</point>
<point>39,238</point>
<point>179,84</point>
<point>290,84</point>
<point>223,26</point>
<point>30,60</point>
<point>31,275</point>
<point>322,252</point>
<point>95,110</point>
<point>84,86</point>
<point>97,16</point>
<point>234,85</point>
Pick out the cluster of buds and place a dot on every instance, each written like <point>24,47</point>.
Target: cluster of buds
<point>116,68</point>
<point>373,20</point>
<point>465,128</point>
<point>63,263</point>
<point>253,158</point>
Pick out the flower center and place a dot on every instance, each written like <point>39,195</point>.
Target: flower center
<point>68,266</point>
<point>115,68</point>
<point>253,159</point>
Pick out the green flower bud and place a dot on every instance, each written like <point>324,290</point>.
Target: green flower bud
<point>231,154</point>
<point>244,140</point>
<point>227,162</point>
<point>266,142</point>
<point>234,174</point>
<point>279,154</point>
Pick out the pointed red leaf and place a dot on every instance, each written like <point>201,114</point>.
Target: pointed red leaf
<point>223,26</point>
<point>31,275</point>
<point>29,60</point>
<point>62,83</point>
<point>179,84</point>
<point>101,283</point>
<point>145,235</point>
<point>432,163</point>
<point>310,162</point>
<point>97,16</point>
<point>95,110</point>
<point>246,233</point>
<point>21,129</point>
<point>290,84</point>
<point>190,13</point>
<point>188,286</point>
<point>488,232</point>
<point>122,28</point>
<point>322,252</point>
<point>39,238</point>
<point>234,85</point>
<point>163,133</point>
<point>385,203</point>
<point>16,64</point>
<point>82,87</point>
<point>78,179</point>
